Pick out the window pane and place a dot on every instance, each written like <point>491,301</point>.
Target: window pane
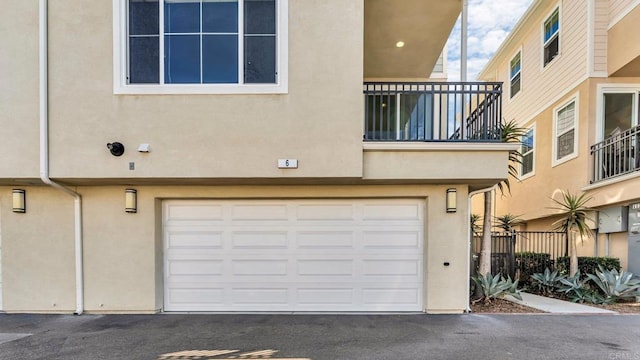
<point>551,26</point>
<point>260,16</point>
<point>565,144</point>
<point>415,117</point>
<point>527,164</point>
<point>566,118</point>
<point>220,16</point>
<point>182,59</point>
<point>515,65</point>
<point>181,16</point>
<point>260,59</point>
<point>617,113</point>
<point>551,50</point>
<point>143,17</point>
<point>527,142</point>
<point>220,58</point>
<point>380,117</point>
<point>515,85</point>
<point>144,62</point>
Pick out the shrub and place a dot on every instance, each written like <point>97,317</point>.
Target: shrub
<point>547,281</point>
<point>529,263</point>
<point>615,285</point>
<point>589,265</point>
<point>495,287</point>
<point>579,291</point>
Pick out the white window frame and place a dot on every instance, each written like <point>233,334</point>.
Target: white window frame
<point>615,89</point>
<point>511,95</point>
<point>558,8</point>
<point>522,176</point>
<point>120,63</point>
<point>575,98</point>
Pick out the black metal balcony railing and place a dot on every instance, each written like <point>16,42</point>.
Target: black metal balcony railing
<point>617,155</point>
<point>433,111</point>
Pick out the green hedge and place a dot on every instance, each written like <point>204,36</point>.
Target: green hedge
<point>529,263</point>
<point>589,265</point>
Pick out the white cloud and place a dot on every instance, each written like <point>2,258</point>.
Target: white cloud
<point>490,22</point>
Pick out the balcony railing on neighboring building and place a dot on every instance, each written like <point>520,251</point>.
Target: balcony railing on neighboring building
<point>433,111</point>
<point>617,155</point>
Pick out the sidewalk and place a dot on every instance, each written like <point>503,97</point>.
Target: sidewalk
<point>556,306</point>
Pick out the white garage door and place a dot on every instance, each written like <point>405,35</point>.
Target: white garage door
<point>293,255</point>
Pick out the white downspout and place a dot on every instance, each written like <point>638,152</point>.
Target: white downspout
<point>44,154</point>
<point>469,234</point>
<point>463,41</point>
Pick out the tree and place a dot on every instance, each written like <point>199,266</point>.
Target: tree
<point>511,133</point>
<point>507,222</point>
<point>573,219</point>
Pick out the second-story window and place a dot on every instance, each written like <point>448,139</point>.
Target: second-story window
<point>515,74</point>
<point>528,152</point>
<point>551,37</point>
<point>212,42</point>
<point>202,41</point>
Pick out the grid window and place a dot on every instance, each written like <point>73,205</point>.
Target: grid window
<point>202,41</point>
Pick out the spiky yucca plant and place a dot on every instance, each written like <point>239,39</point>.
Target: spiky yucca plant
<point>507,222</point>
<point>573,219</point>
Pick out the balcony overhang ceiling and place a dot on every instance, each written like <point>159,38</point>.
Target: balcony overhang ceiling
<point>422,25</point>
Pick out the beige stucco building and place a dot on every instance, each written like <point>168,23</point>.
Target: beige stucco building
<point>572,78</point>
<point>222,156</point>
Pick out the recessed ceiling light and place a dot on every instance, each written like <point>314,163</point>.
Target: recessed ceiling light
<point>400,44</point>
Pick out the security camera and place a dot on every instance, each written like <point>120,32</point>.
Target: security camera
<point>116,148</point>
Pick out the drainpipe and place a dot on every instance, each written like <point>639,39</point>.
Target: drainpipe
<point>44,154</point>
<point>469,234</point>
<point>463,41</point>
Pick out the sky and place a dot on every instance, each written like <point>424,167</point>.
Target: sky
<point>490,21</point>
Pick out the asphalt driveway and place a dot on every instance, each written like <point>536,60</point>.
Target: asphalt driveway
<point>317,337</point>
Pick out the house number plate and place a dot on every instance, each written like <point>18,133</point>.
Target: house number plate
<point>288,163</point>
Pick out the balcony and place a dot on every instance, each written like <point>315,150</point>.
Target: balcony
<point>433,111</point>
<point>617,155</point>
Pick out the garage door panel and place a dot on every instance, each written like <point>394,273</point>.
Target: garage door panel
<point>194,239</point>
<point>392,239</point>
<point>405,267</point>
<point>261,212</point>
<point>390,296</point>
<point>323,297</point>
<point>386,212</point>
<point>325,267</point>
<point>326,212</point>
<point>193,211</point>
<point>325,239</point>
<point>259,239</point>
<point>268,296</point>
<point>294,255</point>
<point>260,267</point>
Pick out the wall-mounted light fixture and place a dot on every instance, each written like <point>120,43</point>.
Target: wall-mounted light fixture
<point>19,201</point>
<point>131,201</point>
<point>452,198</point>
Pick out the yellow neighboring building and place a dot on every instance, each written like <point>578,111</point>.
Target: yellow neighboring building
<point>571,71</point>
<point>237,155</point>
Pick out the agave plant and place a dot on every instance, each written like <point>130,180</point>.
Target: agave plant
<point>495,287</point>
<point>615,285</point>
<point>547,281</point>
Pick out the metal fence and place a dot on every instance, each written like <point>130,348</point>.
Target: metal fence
<point>617,155</point>
<point>521,253</point>
<point>432,111</point>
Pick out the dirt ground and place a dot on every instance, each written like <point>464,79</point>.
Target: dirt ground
<point>502,306</point>
<point>508,307</point>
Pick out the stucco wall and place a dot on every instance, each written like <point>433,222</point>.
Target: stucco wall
<point>123,266</point>
<point>19,97</point>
